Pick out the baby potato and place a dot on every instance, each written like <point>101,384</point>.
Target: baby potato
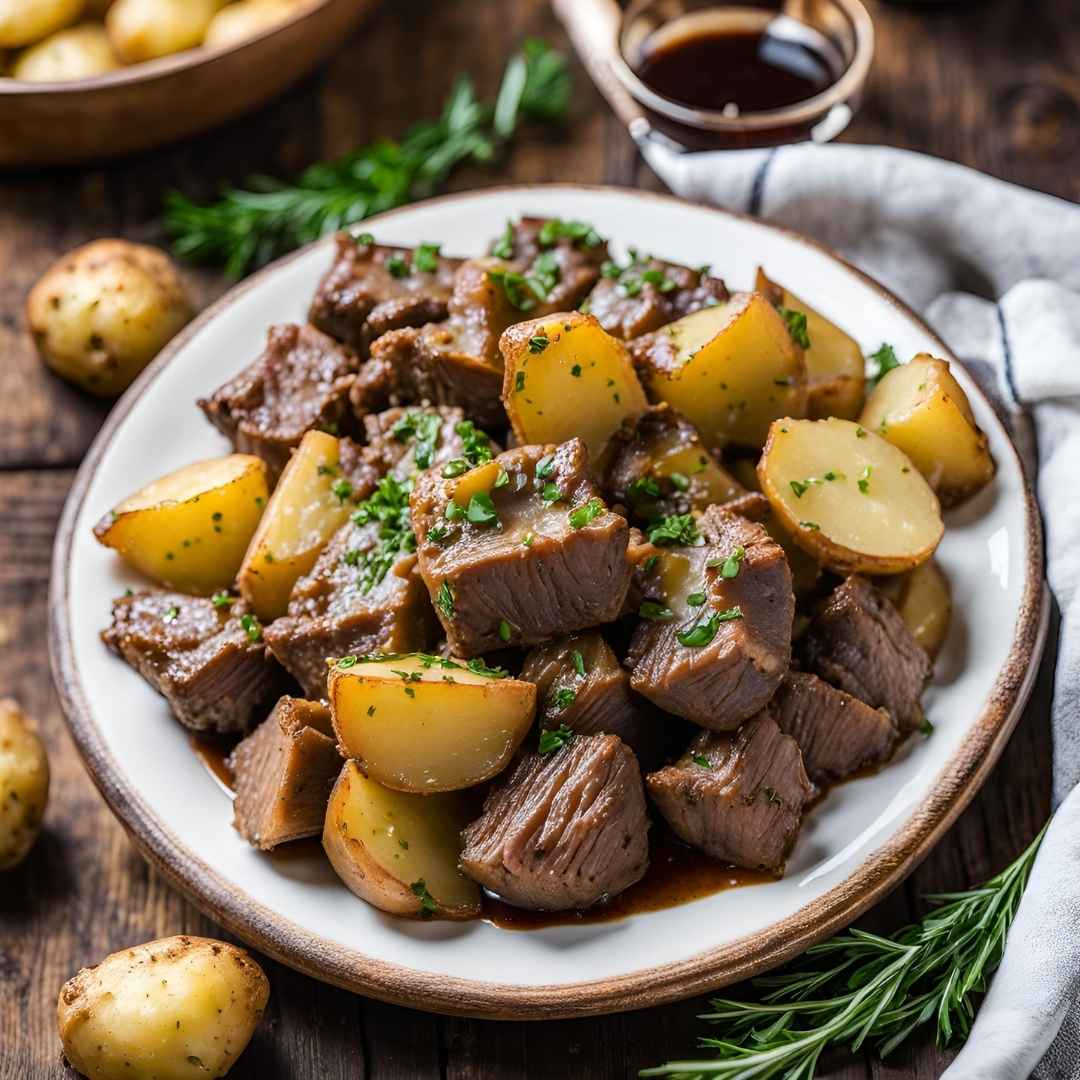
<point>308,506</point>
<point>849,498</point>
<point>729,369</point>
<point>80,52</point>
<point>22,22</point>
<point>189,530</point>
<point>146,29</point>
<point>247,18</point>
<point>921,408</point>
<point>427,723</point>
<point>564,375</point>
<point>100,314</point>
<point>24,784</point>
<point>179,1008</point>
<point>835,368</point>
<point>924,600</point>
<point>397,851</point>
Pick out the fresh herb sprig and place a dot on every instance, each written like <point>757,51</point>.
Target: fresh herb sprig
<point>860,988</point>
<point>246,228</point>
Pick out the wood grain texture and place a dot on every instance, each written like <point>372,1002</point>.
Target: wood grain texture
<point>990,85</point>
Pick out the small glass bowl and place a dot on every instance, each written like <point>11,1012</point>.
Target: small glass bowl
<point>842,27</point>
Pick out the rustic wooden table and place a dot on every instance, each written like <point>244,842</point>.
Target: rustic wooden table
<point>990,84</point>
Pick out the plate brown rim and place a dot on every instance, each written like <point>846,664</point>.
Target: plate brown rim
<point>262,928</point>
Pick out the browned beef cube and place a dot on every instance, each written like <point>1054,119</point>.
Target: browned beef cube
<point>371,289</point>
<point>565,255</point>
<point>581,684</point>
<point>519,550</point>
<point>739,796</point>
<point>837,733</point>
<point>715,638</point>
<point>649,293</point>
<point>208,662</point>
<point>432,365</point>
<point>566,830</point>
<point>300,382</point>
<point>657,466</point>
<point>363,595</point>
<point>284,772</point>
<point>860,644</point>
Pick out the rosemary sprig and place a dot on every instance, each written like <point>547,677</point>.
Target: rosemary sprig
<point>861,988</point>
<point>244,229</point>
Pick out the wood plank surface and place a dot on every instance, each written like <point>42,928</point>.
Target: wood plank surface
<point>992,85</point>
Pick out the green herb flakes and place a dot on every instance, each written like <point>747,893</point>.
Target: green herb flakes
<point>538,343</point>
<point>552,739</point>
<point>444,599</point>
<point>590,511</point>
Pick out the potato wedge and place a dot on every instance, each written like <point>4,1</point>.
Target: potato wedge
<point>564,375</point>
<point>924,600</point>
<point>730,370</point>
<point>425,723</point>
<point>849,498</point>
<point>921,408</point>
<point>189,530</point>
<point>24,784</point>
<point>308,506</point>
<point>173,1009</point>
<point>397,851</point>
<point>835,367</point>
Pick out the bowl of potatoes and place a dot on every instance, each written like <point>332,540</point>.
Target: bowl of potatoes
<point>92,79</point>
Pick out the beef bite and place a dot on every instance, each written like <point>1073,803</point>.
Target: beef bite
<point>837,733</point>
<point>580,685</point>
<point>658,466</point>
<point>648,293</point>
<point>300,382</point>
<point>363,595</point>
<point>565,830</point>
<point>205,657</point>
<point>739,796</point>
<point>859,643</point>
<point>715,636</point>
<point>403,441</point>
<point>372,289</point>
<point>519,550</point>
<point>284,773</point>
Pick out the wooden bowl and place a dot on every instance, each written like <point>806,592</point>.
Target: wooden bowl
<point>160,101</point>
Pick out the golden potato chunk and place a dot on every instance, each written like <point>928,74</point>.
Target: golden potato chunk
<point>564,375</point>
<point>730,370</point>
<point>849,498</point>
<point>172,1009</point>
<point>22,22</point>
<point>924,600</point>
<point>80,52</point>
<point>189,530</point>
<point>922,409</point>
<point>835,367</point>
<point>24,784</point>
<point>398,851</point>
<point>145,29</point>
<point>101,313</point>
<point>427,723</point>
<point>310,503</point>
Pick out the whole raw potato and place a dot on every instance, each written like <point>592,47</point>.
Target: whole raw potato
<point>146,29</point>
<point>248,18</point>
<point>101,313</point>
<point>180,1008</point>
<point>24,784</point>
<point>22,22</point>
<point>80,52</point>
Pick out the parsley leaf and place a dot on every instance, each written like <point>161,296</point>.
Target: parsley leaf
<point>552,739</point>
<point>678,529</point>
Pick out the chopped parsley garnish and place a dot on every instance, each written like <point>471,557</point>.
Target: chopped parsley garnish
<point>528,539</point>
<point>563,698</point>
<point>342,489</point>
<point>453,511</point>
<point>514,287</point>
<point>455,467</point>
<point>543,275</point>
<point>351,557</point>
<point>505,630</point>
<point>538,343</point>
<point>251,627</point>
<point>346,662</point>
<point>680,481</point>
<point>800,487</point>
<point>926,727</point>
<point>365,238</point>
<point>591,510</point>
<point>649,564</point>
<point>478,667</point>
<point>580,232</point>
<point>444,599</point>
<point>676,529</point>
<point>519,382</point>
<point>860,432</point>
<point>864,480</point>
<point>702,760</point>
<point>501,480</point>
<point>644,486</point>
<point>428,907</point>
<point>881,362</point>
<point>437,534</point>
<point>552,739</point>
<point>551,493</point>
<point>424,427</point>
<point>174,613</point>
<point>796,324</point>
<point>576,371</point>
<point>426,258</point>
<point>813,526</point>
<point>476,442</point>
<point>397,266</point>
<point>729,567</point>
<point>696,599</point>
<point>481,510</point>
<point>578,661</point>
<point>503,248</point>
<point>655,612</point>
<point>703,632</point>
<point>221,600</point>
<point>389,507</point>
<point>322,470</point>
<point>545,466</point>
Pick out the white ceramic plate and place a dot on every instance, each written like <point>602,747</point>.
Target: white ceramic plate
<point>855,846</point>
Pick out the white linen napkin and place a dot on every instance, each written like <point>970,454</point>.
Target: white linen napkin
<point>996,270</point>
